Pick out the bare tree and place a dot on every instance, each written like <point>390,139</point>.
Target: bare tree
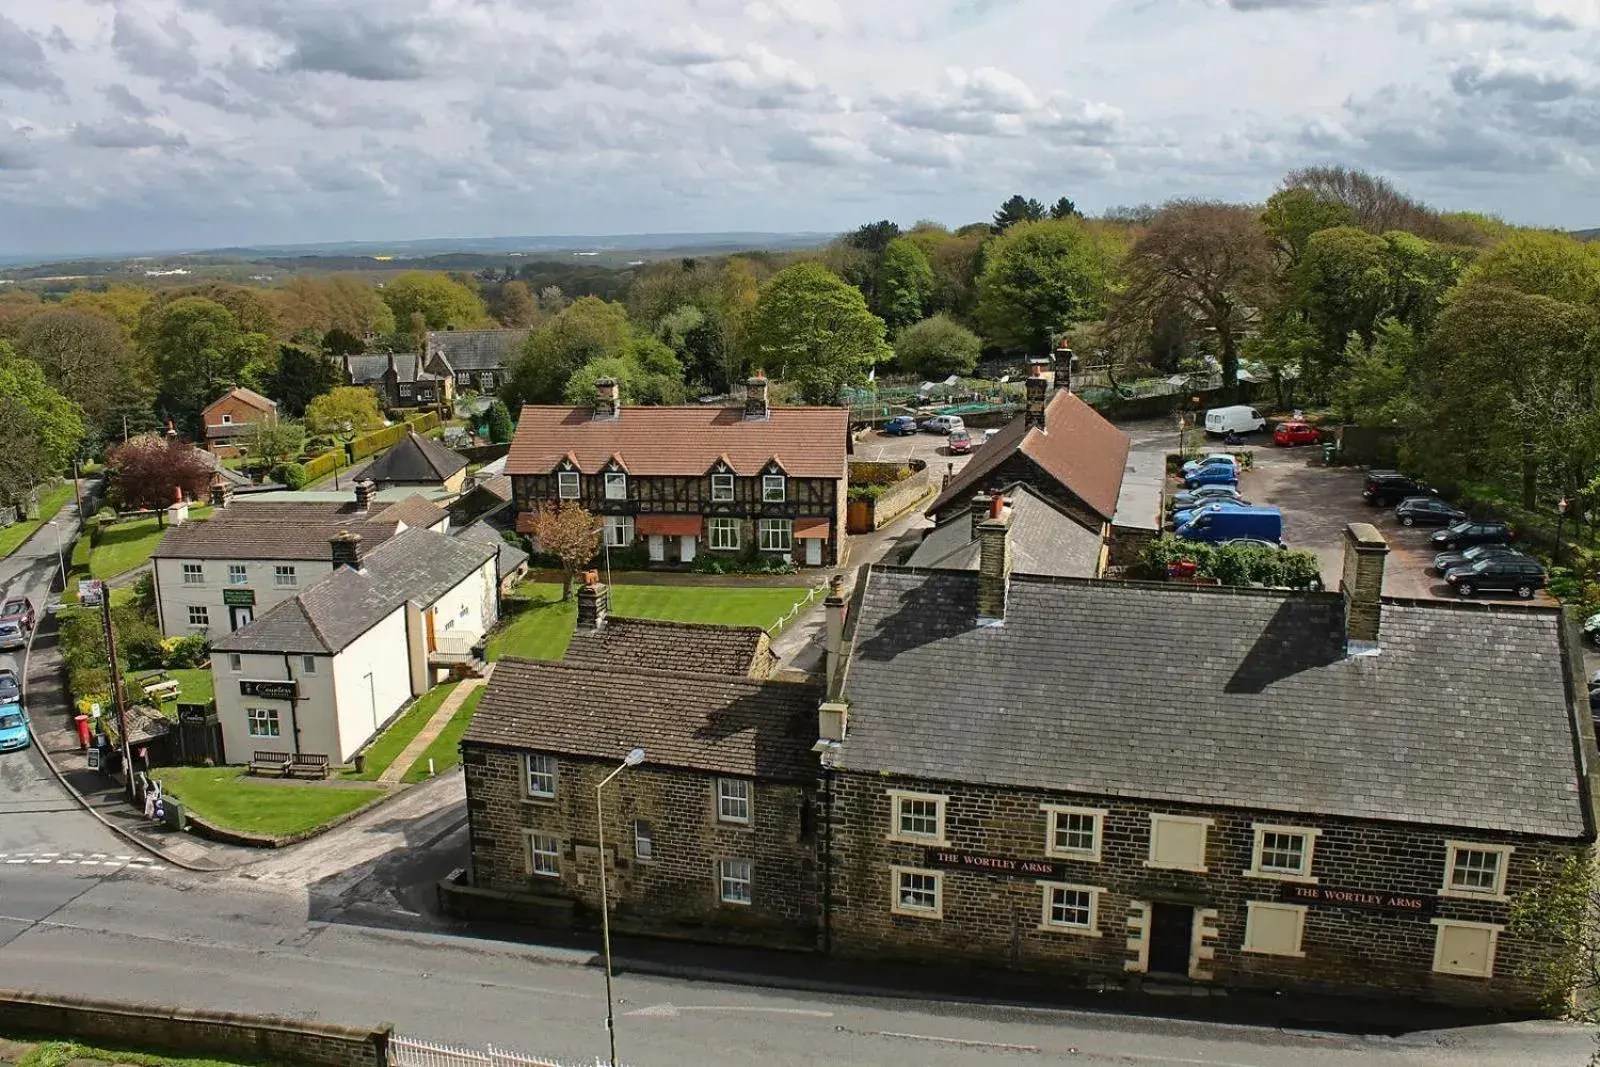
<point>569,533</point>
<point>1378,206</point>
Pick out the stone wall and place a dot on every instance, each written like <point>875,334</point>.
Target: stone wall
<point>997,919</point>
<point>169,1029</point>
<point>896,499</point>
<point>676,890</point>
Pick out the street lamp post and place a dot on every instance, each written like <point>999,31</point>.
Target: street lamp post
<point>1561,515</point>
<point>632,759</point>
<point>61,560</point>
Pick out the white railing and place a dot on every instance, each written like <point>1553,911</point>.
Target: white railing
<point>811,594</point>
<point>415,1052</point>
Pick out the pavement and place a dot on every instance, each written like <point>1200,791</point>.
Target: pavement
<point>431,730</point>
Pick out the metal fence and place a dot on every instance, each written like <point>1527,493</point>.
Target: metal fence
<point>415,1052</point>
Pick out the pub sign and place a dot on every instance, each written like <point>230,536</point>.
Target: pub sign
<point>277,689</point>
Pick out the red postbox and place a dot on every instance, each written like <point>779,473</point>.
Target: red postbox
<point>82,722</point>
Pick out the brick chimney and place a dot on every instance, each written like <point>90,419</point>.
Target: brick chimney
<point>607,399</point>
<point>978,511</point>
<point>1362,585</point>
<point>594,603</point>
<point>755,397</point>
<point>994,561</point>
<point>346,550</point>
<point>221,492</point>
<point>833,607</point>
<point>1038,390</point>
<point>364,491</point>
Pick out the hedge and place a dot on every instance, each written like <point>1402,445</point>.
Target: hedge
<point>428,420</point>
<point>376,441</point>
<point>321,466</point>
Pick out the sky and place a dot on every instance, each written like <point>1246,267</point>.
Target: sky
<point>170,124</point>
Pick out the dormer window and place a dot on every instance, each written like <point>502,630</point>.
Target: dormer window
<point>772,488</point>
<point>616,486</point>
<point>721,488</point>
<point>567,485</point>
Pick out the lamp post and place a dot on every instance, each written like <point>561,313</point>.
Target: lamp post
<point>1561,515</point>
<point>632,759</point>
<point>61,560</point>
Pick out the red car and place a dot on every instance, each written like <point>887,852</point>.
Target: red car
<point>1295,433</point>
<point>19,610</point>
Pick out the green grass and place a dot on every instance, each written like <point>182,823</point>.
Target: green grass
<point>127,545</point>
<point>222,795</point>
<point>11,537</point>
<point>194,686</point>
<point>543,630</point>
<point>445,750</point>
<point>389,744</point>
<point>61,1053</point>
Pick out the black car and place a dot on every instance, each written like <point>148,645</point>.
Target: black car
<point>1390,487</point>
<point>1506,574</point>
<point>10,691</point>
<point>1445,562</point>
<point>1468,533</point>
<point>1427,511</point>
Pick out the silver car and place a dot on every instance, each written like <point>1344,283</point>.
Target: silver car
<point>11,636</point>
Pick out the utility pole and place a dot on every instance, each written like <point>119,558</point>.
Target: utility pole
<point>77,490</point>
<point>124,429</point>
<point>117,699</point>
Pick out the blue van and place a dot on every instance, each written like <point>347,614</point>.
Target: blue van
<point>1217,525</point>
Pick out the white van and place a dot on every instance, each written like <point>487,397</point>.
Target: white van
<point>1239,418</point>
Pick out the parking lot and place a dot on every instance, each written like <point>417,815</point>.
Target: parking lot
<point>930,447</point>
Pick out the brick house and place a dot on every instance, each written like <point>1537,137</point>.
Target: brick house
<point>1312,792</point>
<point>400,379</point>
<point>693,478</point>
<point>230,417</point>
<point>477,360</point>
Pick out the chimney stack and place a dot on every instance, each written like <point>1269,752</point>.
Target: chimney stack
<point>594,603</point>
<point>1037,390</point>
<point>221,492</point>
<point>978,511</point>
<point>994,561</point>
<point>364,490</point>
<point>755,397</point>
<point>1362,585</point>
<point>172,432</point>
<point>346,550</point>
<point>607,399</point>
<point>833,607</point>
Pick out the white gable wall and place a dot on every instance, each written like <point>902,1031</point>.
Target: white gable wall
<point>372,681</point>
<point>314,711</point>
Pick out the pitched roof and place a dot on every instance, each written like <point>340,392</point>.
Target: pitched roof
<point>367,369</point>
<point>508,557</point>
<point>475,350</point>
<point>414,565</point>
<point>248,396</point>
<point>252,528</point>
<point>1043,541</point>
<point>685,440</point>
<point>415,458</point>
<point>1082,451</point>
<point>706,722</point>
<point>1241,698</point>
<point>654,644</point>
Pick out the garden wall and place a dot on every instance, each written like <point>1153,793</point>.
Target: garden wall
<point>895,500</point>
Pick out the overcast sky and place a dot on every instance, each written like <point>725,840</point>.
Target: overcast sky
<point>161,124</point>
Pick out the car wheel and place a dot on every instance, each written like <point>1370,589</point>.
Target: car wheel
<point>1465,589</point>
<point>1525,591</point>
<point>1408,521</point>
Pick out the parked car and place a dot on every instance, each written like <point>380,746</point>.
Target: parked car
<point>900,426</point>
<point>1388,488</point>
<point>1254,542</point>
<point>1188,515</point>
<point>1215,474</point>
<point>10,688</point>
<point>1467,533</point>
<point>1504,574</point>
<point>13,727</point>
<point>1210,458</point>
<point>988,435</point>
<point>1188,498</point>
<point>12,636</point>
<point>1591,630</point>
<point>1229,524</point>
<point>1295,433</point>
<point>943,424</point>
<point>1445,562</point>
<point>1427,511</point>
<point>1239,418</point>
<point>960,442</point>
<point>18,609</point>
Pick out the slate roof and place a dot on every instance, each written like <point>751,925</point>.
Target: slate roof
<point>414,565</point>
<point>706,722</point>
<point>508,557</point>
<point>253,528</point>
<point>1078,448</point>
<point>686,440</point>
<point>475,350</point>
<point>369,369</point>
<point>1238,698</point>
<point>1043,541</point>
<point>415,458</point>
<point>701,648</point>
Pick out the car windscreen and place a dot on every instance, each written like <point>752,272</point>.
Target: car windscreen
<point>13,607</point>
<point>7,628</point>
<point>10,722</point>
<point>1460,527</point>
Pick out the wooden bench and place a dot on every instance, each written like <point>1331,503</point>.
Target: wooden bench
<point>162,691</point>
<point>275,763</point>
<point>308,765</point>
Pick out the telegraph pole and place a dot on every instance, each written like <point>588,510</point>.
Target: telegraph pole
<point>117,699</point>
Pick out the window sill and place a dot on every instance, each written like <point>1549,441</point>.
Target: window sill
<point>917,913</point>
<point>549,876</point>
<point>1280,955</point>
<point>1274,876</point>
<point>911,839</point>
<point>1174,867</point>
<point>734,903</point>
<point>733,824</point>
<point>543,802</point>
<point>1070,931</point>
<point>1462,894</point>
<point>1079,857</point>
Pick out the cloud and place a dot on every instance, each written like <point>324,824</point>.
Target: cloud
<point>995,103</point>
<point>1529,14</point>
<point>381,43</point>
<point>22,60</point>
<point>1523,78</point>
<point>165,51</point>
<point>127,133</point>
<point>17,153</point>
<point>1279,5</point>
<point>59,40</point>
<point>122,99</point>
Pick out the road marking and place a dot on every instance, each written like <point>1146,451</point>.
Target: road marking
<point>960,1041</point>
<point>78,859</point>
<point>668,1011</point>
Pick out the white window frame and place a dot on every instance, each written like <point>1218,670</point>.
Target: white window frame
<point>199,616</point>
<point>770,529</point>
<point>1439,964</point>
<point>227,420</point>
<point>1307,854</point>
<point>1452,853</point>
<point>194,574</point>
<point>774,488</point>
<point>405,390</point>
<point>283,574</point>
<point>731,794</point>
<point>1253,907</point>
<point>721,488</point>
<point>235,663</point>
<point>1047,923</point>
<point>264,717</point>
<point>1053,816</point>
<point>569,485</point>
<point>486,380</point>
<point>615,480</point>
<point>729,873</point>
<point>308,665</point>
<point>897,832</point>
<point>898,907</point>
<point>546,847</point>
<point>546,768</point>
<point>722,525</point>
<point>643,835</point>
<point>1157,818</point>
<point>238,574</point>
<point>619,530</point>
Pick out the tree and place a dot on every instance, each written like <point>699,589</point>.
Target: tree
<point>199,351</point>
<point>337,342</point>
<point>570,534</point>
<point>1293,215</point>
<point>1378,386</point>
<point>517,306</point>
<point>442,302</point>
<point>1064,209</point>
<point>55,421</point>
<point>499,421</point>
<point>587,330</point>
<point>276,440</point>
<point>1542,264</point>
<point>1343,285</point>
<point>349,409</point>
<point>303,375</point>
<point>954,264</point>
<point>1377,205</point>
<point>1210,258</point>
<point>1017,209</point>
<point>335,302</point>
<point>905,283</point>
<point>24,462</point>
<point>937,348</point>
<point>874,237</point>
<point>814,330</point>
<point>1038,278</point>
<point>252,309</point>
<point>150,471</point>
<point>647,372</point>
<point>86,357</point>
<point>122,304</point>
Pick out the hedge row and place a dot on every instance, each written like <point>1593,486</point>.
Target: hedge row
<point>321,466</point>
<point>376,441</point>
<point>428,420</point>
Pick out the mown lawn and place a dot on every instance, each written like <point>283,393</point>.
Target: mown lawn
<point>50,503</point>
<point>542,631</point>
<point>61,1053</point>
<point>445,750</point>
<point>194,686</point>
<point>126,545</point>
<point>226,797</point>
<point>389,744</point>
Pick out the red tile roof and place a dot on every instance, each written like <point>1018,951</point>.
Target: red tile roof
<point>248,396</point>
<point>688,440</point>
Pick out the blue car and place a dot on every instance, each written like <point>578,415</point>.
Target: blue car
<point>13,727</point>
<point>1183,518</point>
<point>900,425</point>
<point>1216,474</point>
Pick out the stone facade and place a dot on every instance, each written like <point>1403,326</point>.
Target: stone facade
<point>999,918</point>
<point>676,889</point>
<point>1362,581</point>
